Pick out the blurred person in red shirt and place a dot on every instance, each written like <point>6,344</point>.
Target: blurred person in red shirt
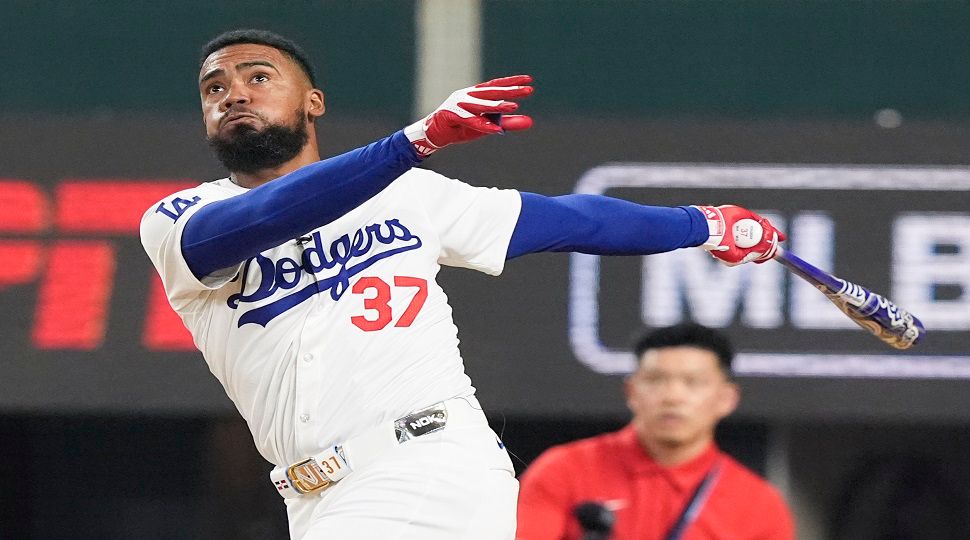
<point>662,476</point>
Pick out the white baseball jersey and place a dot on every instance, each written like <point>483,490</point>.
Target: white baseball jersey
<point>323,337</point>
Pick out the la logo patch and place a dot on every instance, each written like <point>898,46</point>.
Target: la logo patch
<point>179,206</point>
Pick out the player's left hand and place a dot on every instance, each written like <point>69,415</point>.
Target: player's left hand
<point>738,235</point>
<point>471,113</point>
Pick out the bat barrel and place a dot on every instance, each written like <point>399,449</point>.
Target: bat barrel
<point>871,311</point>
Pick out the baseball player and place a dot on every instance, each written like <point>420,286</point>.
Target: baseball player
<point>309,286</point>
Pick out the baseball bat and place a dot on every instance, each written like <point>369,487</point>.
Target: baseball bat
<point>871,311</point>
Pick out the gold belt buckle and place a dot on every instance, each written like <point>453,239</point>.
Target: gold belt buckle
<point>307,477</point>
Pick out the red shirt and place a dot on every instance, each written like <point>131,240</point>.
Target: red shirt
<point>646,498</point>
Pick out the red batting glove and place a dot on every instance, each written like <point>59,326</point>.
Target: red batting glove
<point>738,235</point>
<point>471,113</point>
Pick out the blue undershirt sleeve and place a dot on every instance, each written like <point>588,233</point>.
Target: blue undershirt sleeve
<point>600,225</point>
<point>227,232</point>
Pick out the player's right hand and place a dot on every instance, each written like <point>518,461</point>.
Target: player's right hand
<point>738,235</point>
<point>471,113</point>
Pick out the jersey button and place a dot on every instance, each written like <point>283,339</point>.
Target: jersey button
<point>304,418</point>
<point>308,358</point>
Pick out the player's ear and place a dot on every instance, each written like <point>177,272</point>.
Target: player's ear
<point>728,399</point>
<point>628,392</point>
<point>315,103</point>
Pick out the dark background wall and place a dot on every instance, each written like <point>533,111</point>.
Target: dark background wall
<point>125,439</point>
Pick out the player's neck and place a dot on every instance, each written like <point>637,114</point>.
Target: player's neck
<point>309,154</point>
<point>672,455</point>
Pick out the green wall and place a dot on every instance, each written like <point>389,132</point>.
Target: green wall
<point>842,57</point>
<point>660,58</point>
<point>129,55</point>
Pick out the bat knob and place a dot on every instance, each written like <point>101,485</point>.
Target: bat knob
<point>747,233</point>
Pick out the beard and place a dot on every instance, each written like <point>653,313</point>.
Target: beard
<point>248,150</point>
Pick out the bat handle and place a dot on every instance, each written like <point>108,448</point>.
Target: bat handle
<point>806,270</point>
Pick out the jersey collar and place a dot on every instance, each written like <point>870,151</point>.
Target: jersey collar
<point>685,476</point>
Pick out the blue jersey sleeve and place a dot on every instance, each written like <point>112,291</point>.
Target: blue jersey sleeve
<point>600,225</point>
<point>230,231</point>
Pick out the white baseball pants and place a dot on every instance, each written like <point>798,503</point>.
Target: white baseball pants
<point>457,483</point>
